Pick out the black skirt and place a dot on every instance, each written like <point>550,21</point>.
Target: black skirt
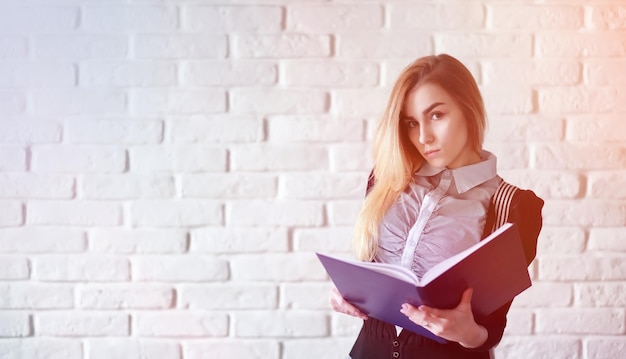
<point>378,340</point>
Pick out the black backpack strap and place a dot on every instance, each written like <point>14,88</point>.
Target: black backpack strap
<point>501,203</point>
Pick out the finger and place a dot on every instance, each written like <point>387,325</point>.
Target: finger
<point>466,298</point>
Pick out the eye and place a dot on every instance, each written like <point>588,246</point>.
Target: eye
<point>412,124</point>
<point>436,116</point>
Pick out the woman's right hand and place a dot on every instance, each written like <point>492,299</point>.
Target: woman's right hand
<point>342,306</point>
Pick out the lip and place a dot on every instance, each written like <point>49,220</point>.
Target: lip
<point>430,153</point>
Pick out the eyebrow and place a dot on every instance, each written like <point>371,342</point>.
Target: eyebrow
<point>429,108</point>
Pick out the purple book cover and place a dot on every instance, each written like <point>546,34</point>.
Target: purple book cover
<point>495,267</point>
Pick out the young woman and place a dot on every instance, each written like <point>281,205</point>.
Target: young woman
<point>433,193</point>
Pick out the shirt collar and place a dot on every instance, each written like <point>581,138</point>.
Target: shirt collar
<point>466,177</point>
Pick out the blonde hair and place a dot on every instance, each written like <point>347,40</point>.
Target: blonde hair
<point>395,157</point>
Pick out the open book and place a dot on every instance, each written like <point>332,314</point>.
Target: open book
<point>495,268</point>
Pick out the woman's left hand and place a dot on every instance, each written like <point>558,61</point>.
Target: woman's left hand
<point>455,324</point>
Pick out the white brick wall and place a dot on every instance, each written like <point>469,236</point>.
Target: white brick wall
<point>169,168</point>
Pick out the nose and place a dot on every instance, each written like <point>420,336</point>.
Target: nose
<point>426,135</point>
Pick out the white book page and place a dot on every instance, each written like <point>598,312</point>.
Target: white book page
<point>392,270</point>
<point>448,263</point>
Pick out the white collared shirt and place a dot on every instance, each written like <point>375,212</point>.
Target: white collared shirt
<point>441,213</point>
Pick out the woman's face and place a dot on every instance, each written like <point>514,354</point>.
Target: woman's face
<point>437,127</point>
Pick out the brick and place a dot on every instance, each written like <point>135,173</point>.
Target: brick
<point>587,213</point>
<point>124,296</point>
<point>14,324</point>
<point>228,296</point>
<point>546,183</point>
<point>137,240</point>
<point>325,348</point>
<point>274,101</point>
<point>227,19</point>
<point>519,322</point>
<point>345,326</point>
<point>343,212</point>
<point>83,267</point>
<point>238,348</point>
<point>180,324</point>
<point>128,18</point>
<point>605,72</point>
<point>374,45</point>
<point>274,213</point>
<point>553,347</point>
<point>41,19</point>
<point>73,213</point>
<point>276,46</point>
<point>575,44</point>
<point>187,268</point>
<point>48,159</point>
<point>35,296</point>
<point>188,46</point>
<point>13,47</point>
<point>278,324</point>
<point>325,74</point>
<point>13,159</point>
<point>230,185</point>
<point>81,324</point>
<point>545,294</point>
<point>132,348</point>
<point>127,186</point>
<point>41,348</point>
<point>11,213</point>
<point>351,157</point>
<point>533,18</point>
<point>508,100</point>
<point>577,100</point>
<point>80,47</point>
<point>321,186</point>
<point>27,131</point>
<point>580,321</point>
<point>511,156</point>
<point>238,240</point>
<point>37,75</point>
<point>589,128</point>
<point>229,73</point>
<point>436,16</point>
<point>42,240</point>
<point>218,128</point>
<point>607,239</point>
<point>607,185</point>
<point>168,213</point>
<point>580,156</point>
<point>600,295</point>
<point>582,268</point>
<point>561,240</point>
<point>179,158</point>
<point>283,267</point>
<point>305,295</point>
<point>605,17</point>
<point>79,102</point>
<point>12,103</point>
<point>604,347</point>
<point>480,45</point>
<point>336,18</point>
<point>113,131</point>
<point>355,103</point>
<point>325,239</point>
<point>314,129</point>
<point>279,157</point>
<point>128,73</point>
<point>14,268</point>
<point>528,72</point>
<point>177,101</point>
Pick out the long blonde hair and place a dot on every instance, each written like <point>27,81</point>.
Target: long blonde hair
<point>395,157</point>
